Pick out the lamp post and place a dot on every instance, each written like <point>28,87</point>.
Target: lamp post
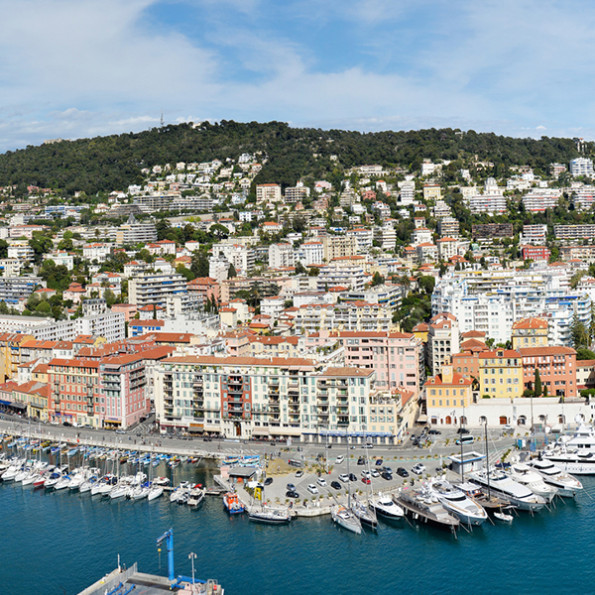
<point>192,557</point>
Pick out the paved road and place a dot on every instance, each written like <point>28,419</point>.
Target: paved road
<point>140,439</point>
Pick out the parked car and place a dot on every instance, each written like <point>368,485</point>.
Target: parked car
<point>462,431</point>
<point>292,494</point>
<point>352,477</point>
<point>368,445</point>
<point>379,462</point>
<point>366,474</point>
<point>388,469</point>
<point>386,475</point>
<point>321,481</point>
<point>419,469</point>
<point>402,472</point>
<point>366,480</point>
<point>268,481</point>
<point>375,473</point>
<point>336,485</point>
<point>361,461</point>
<point>435,432</point>
<point>312,488</point>
<point>339,459</point>
<point>290,487</point>
<point>466,439</point>
<point>299,473</point>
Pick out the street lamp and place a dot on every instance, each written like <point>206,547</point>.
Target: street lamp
<point>192,557</point>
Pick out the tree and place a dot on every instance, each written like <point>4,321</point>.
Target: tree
<point>537,389</point>
<point>40,244</point>
<point>200,264</point>
<point>583,353</point>
<point>377,279</point>
<point>579,333</point>
<point>231,273</point>
<point>3,248</point>
<point>426,283</point>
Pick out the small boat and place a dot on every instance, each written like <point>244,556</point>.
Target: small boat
<point>196,495</point>
<point>386,507</point>
<point>502,516</point>
<point>180,492</point>
<point>232,503</point>
<point>119,491</point>
<point>270,516</point>
<point>155,492</point>
<point>345,518</point>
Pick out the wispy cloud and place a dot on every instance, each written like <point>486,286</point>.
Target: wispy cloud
<point>70,68</point>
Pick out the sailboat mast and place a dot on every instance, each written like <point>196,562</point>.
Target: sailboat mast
<point>487,457</point>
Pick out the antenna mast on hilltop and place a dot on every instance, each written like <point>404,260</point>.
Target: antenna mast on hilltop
<point>162,122</point>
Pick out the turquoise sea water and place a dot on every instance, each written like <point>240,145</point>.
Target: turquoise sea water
<point>59,543</point>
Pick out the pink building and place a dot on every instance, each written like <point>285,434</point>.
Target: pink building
<point>396,357</point>
<point>122,382</point>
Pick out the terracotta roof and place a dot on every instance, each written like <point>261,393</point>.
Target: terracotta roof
<point>457,380</point>
<point>210,360</point>
<point>348,372</point>
<point>530,323</point>
<point>542,351</point>
<point>473,335</point>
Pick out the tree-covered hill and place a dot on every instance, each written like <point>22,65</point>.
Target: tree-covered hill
<point>114,162</point>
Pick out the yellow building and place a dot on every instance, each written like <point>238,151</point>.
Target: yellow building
<point>421,331</point>
<point>501,374</point>
<point>10,354</point>
<point>447,390</point>
<point>529,332</point>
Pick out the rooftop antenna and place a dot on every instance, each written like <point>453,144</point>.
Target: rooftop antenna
<point>162,122</point>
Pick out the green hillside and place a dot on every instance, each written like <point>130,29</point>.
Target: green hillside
<point>114,162</point>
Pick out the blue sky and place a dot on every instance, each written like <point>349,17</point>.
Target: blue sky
<point>76,68</point>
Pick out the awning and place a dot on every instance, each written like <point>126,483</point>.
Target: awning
<point>422,419</point>
<point>285,431</point>
<point>260,432</point>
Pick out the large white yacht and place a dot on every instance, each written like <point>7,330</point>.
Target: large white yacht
<point>576,454</point>
<point>458,503</point>
<point>567,485</point>
<point>504,487</point>
<point>527,476</point>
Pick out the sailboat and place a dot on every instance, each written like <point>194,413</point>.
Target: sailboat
<point>343,516</point>
<point>364,512</point>
<point>268,514</point>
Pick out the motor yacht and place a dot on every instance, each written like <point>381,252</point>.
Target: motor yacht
<point>386,507</point>
<point>567,485</point>
<point>458,503</point>
<point>527,476</point>
<point>504,487</point>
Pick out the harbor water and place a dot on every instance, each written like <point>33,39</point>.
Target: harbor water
<point>59,543</point>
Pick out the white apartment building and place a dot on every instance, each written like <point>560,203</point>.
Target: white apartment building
<point>218,268</point>
<point>242,257</point>
<point>281,256</point>
<point>540,199</point>
<point>97,252</point>
<point>491,201</point>
<point>386,235</point>
<point>351,276</point>
<point>581,166</point>
<point>448,227</point>
<point>534,235</point>
<point>11,267</point>
<point>20,250</point>
<point>444,340</point>
<point>132,232</point>
<point>310,253</point>
<point>584,197</point>
<point>574,232</point>
<point>154,289</point>
<point>268,193</point>
<point>407,194</point>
